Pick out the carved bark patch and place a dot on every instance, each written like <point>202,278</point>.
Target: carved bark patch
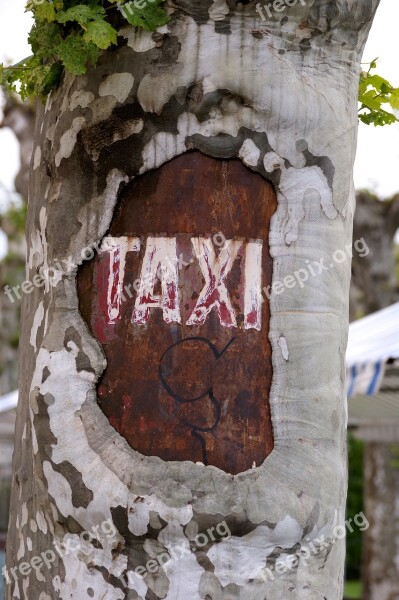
<point>175,298</point>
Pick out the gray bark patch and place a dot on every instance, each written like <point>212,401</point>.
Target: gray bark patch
<point>81,495</point>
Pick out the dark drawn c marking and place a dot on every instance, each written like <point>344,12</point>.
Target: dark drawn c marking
<point>196,430</point>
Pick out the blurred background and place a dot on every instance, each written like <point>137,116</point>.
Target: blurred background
<point>372,567</point>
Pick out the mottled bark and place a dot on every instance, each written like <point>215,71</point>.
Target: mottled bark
<point>282,97</point>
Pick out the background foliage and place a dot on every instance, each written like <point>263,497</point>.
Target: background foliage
<point>354,507</point>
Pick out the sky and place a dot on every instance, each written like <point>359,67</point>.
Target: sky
<point>377,158</point>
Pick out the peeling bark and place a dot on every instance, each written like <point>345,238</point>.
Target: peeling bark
<point>282,97</point>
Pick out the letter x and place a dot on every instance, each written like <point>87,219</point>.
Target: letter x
<point>215,270</point>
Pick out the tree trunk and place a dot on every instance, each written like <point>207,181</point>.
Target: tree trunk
<point>20,118</point>
<point>381,569</point>
<point>375,286</point>
<point>374,283</point>
<point>109,514</point>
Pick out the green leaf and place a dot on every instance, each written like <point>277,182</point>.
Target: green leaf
<point>377,82</point>
<point>69,34</point>
<point>394,102</point>
<point>141,13</point>
<point>82,14</point>
<point>100,33</point>
<point>75,53</point>
<point>44,38</point>
<point>369,99</point>
<point>375,92</point>
<point>45,12</point>
<point>377,118</point>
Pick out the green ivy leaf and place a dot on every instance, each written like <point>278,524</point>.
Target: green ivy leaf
<point>395,98</point>
<point>75,53</point>
<point>69,34</point>
<point>370,100</point>
<point>45,12</point>
<point>141,13</point>
<point>82,14</point>
<point>377,82</point>
<point>376,93</point>
<point>377,118</point>
<point>44,38</point>
<point>100,33</point>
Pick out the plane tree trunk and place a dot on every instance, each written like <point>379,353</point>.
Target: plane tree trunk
<point>375,286</point>
<point>380,567</point>
<point>109,506</point>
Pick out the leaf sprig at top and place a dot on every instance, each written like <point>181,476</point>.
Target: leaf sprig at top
<point>149,17</point>
<point>375,92</point>
<point>69,34</point>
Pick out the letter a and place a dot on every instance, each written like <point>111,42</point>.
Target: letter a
<point>160,260</point>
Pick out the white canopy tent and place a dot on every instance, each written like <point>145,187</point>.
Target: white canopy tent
<point>372,360</point>
<point>8,404</point>
<point>373,341</point>
<point>9,401</point>
<point>375,337</point>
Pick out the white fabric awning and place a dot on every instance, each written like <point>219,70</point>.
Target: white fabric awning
<point>9,401</point>
<point>374,338</point>
<point>372,341</point>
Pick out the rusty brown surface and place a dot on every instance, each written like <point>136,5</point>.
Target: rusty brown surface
<point>177,391</point>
